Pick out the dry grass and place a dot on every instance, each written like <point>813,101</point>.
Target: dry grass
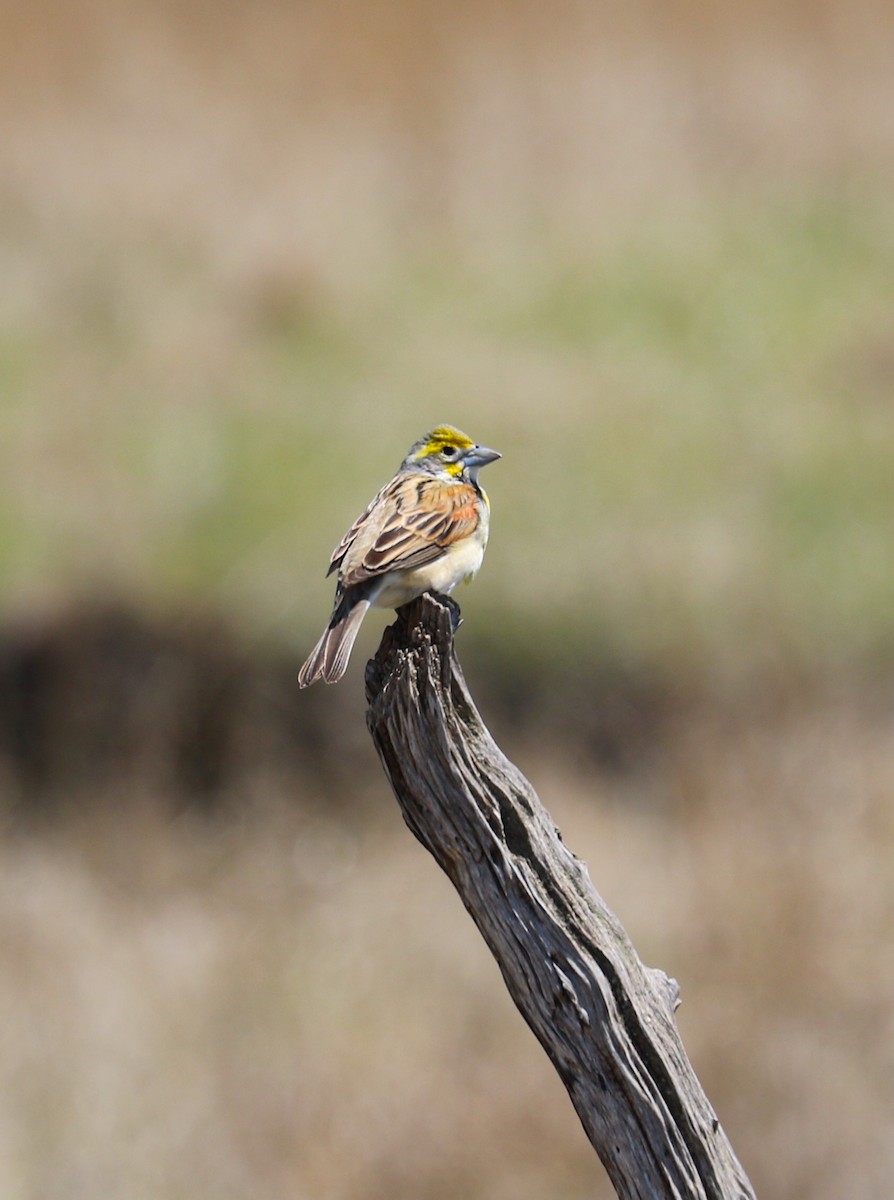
<point>290,1006</point>
<point>293,137</point>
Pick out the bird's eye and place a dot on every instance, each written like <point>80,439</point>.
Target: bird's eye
<point>450,451</point>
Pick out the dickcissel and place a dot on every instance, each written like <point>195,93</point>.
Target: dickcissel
<point>425,531</point>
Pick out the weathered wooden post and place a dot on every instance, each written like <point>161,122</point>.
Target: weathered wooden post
<point>605,1020</point>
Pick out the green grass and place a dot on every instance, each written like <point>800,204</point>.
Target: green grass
<point>695,415</point>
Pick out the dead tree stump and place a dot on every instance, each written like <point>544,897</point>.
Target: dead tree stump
<point>605,1020</point>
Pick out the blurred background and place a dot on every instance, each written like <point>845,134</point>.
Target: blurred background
<point>248,253</point>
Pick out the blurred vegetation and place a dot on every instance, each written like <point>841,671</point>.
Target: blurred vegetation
<point>695,418</point>
<point>246,257</point>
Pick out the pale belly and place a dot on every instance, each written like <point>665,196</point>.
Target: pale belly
<point>460,562</point>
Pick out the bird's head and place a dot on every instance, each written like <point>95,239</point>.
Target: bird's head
<point>449,451</point>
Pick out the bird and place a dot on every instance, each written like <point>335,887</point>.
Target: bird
<point>424,531</point>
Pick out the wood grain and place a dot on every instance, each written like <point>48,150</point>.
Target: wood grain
<point>604,1019</point>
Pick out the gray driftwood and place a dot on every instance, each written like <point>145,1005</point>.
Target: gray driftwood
<point>605,1020</point>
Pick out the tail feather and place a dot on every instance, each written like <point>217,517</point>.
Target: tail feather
<point>329,658</point>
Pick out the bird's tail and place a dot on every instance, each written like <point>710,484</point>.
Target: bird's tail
<point>329,658</point>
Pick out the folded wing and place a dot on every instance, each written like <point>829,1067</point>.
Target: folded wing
<point>411,522</point>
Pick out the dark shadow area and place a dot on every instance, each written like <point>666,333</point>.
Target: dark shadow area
<point>106,698</point>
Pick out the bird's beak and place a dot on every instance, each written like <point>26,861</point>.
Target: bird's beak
<point>479,456</point>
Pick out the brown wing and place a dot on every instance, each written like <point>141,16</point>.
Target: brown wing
<point>412,520</point>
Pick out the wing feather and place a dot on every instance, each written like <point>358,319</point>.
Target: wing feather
<point>411,521</point>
